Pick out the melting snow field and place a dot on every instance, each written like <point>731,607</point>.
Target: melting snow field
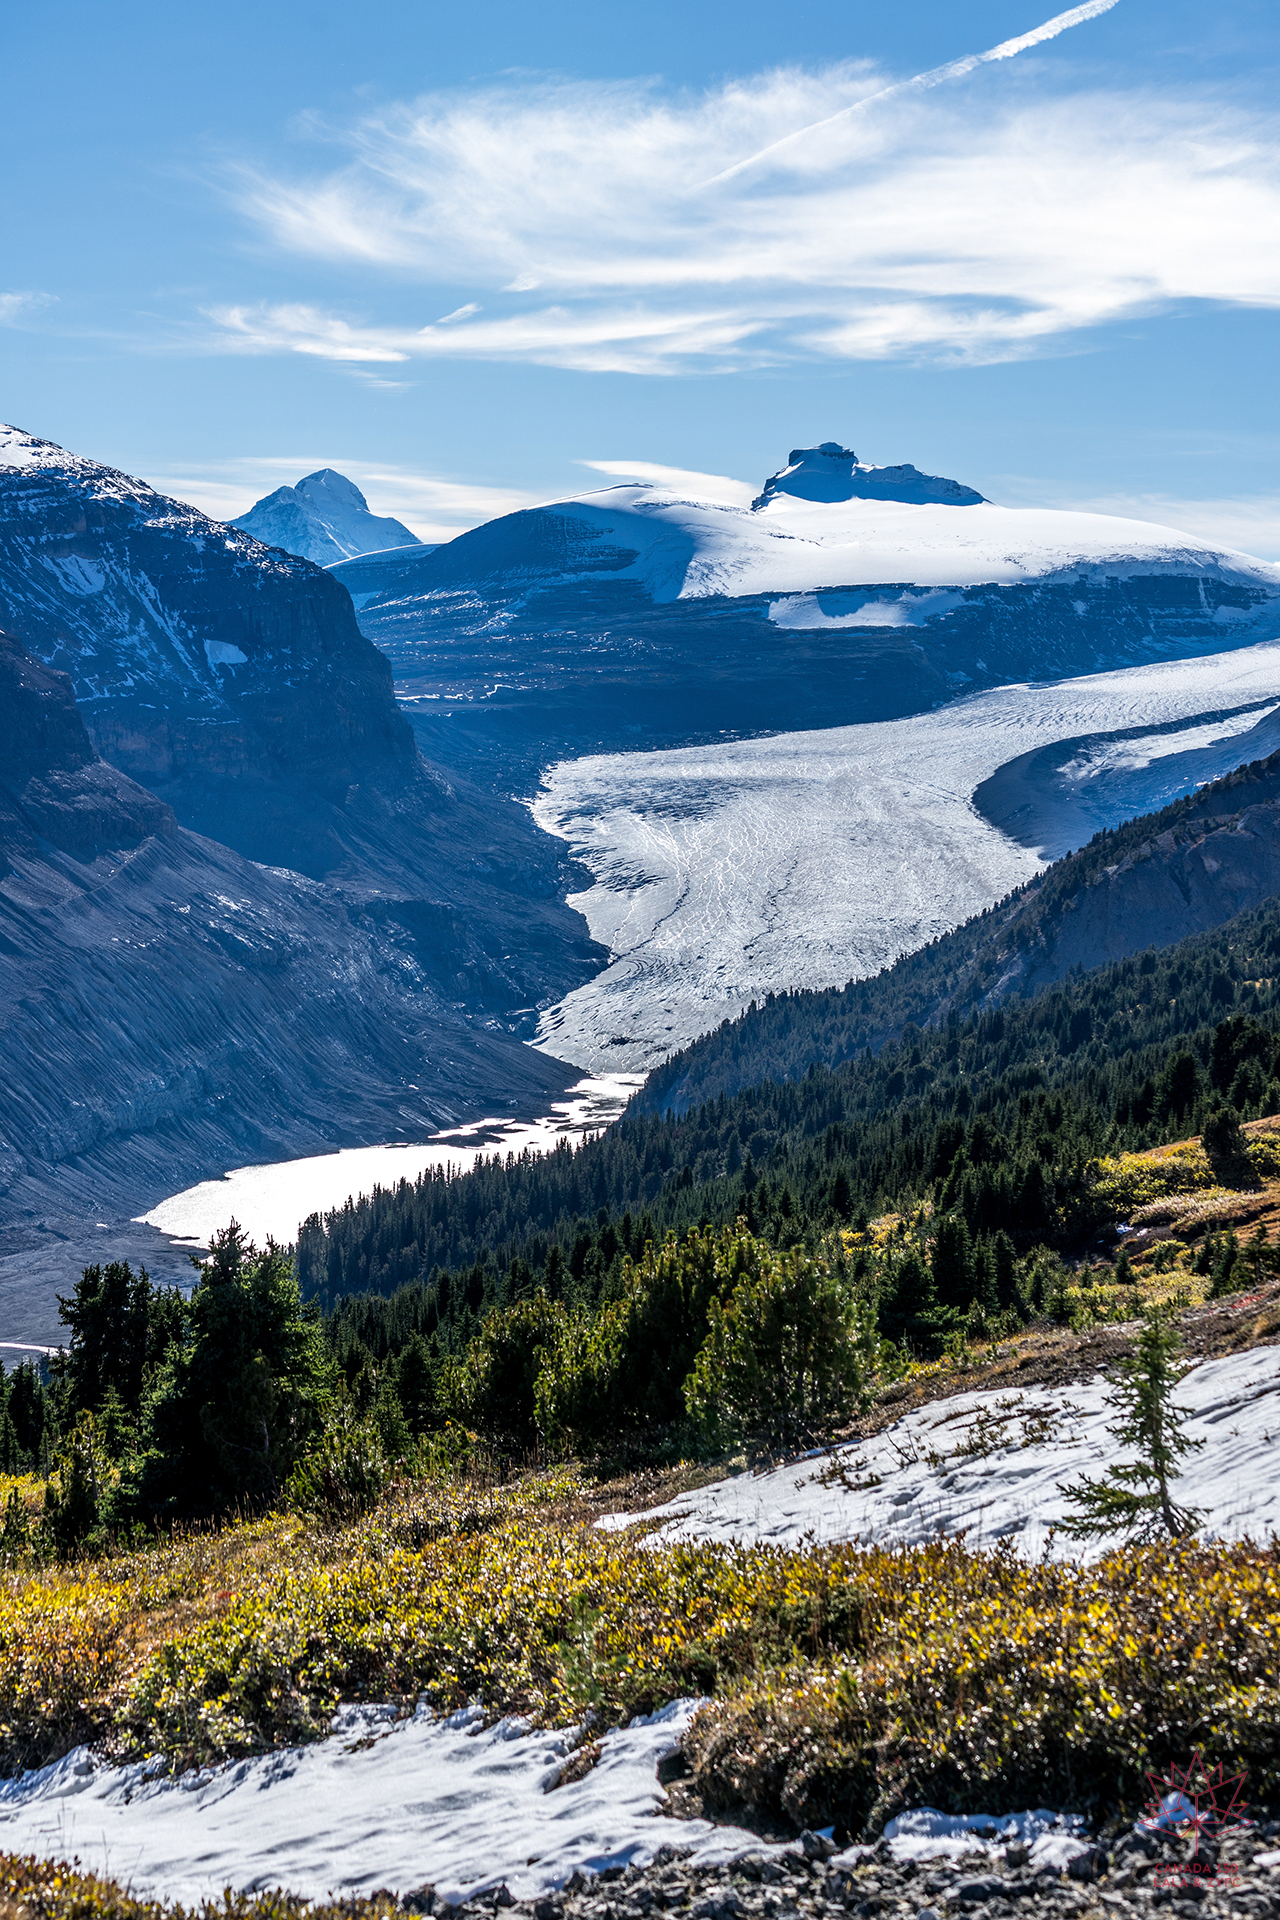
<point>276,1198</point>
<point>394,1804</point>
<point>808,859</point>
<point>444,1801</point>
<point>991,1465</point>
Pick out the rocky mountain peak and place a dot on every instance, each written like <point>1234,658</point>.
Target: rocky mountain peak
<point>830,473</point>
<point>324,518</point>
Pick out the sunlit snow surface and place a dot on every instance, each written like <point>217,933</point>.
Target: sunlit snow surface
<point>274,1199</point>
<point>991,1465</point>
<point>444,1801</point>
<point>727,872</point>
<point>394,1805</point>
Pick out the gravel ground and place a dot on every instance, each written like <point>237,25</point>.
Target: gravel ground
<point>1133,1875</point>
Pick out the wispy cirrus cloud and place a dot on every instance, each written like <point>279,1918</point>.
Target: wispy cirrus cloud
<point>16,308</point>
<point>790,216</point>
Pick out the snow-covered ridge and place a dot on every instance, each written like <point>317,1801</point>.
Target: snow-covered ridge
<point>824,521</point>
<point>688,549</point>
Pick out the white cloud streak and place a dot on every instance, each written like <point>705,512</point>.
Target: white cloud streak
<point>935,77</point>
<point>700,486</point>
<point>15,308</point>
<point>983,220</point>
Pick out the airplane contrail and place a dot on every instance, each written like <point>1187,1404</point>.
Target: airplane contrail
<point>953,70</point>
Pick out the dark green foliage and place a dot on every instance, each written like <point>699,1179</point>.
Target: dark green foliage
<point>1223,1140</point>
<point>25,1425</point>
<point>236,1404</point>
<point>953,1275</point>
<point>120,1329</point>
<point>909,1305</point>
<point>1134,1497</point>
<point>790,1352</point>
<point>995,1119</point>
<point>492,1387</point>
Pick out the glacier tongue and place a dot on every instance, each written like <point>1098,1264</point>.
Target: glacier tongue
<point>724,873</point>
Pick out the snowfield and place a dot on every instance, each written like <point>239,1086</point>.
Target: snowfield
<point>991,1465</point>
<point>393,1804</point>
<point>724,873</point>
<point>380,1803</point>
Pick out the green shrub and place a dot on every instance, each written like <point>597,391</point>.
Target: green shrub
<point>789,1353</point>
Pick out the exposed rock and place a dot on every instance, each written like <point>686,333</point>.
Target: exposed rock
<point>169,1009</point>
<point>232,681</point>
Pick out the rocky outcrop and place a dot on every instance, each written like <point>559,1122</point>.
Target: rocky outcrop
<point>169,1009</point>
<point>53,787</point>
<point>830,472</point>
<point>231,680</point>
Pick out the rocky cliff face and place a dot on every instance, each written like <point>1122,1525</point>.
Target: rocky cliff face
<point>231,680</point>
<point>169,1009</point>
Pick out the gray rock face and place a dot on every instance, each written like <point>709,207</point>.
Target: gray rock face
<point>831,472</point>
<point>168,1008</point>
<point>232,681</point>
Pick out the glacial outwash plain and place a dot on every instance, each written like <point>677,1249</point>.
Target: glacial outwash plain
<point>639,1204</point>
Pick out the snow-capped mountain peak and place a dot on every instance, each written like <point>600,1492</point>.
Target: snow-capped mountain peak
<point>830,473</point>
<point>324,518</point>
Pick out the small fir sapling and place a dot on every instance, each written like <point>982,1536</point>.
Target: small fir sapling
<point>1134,1497</point>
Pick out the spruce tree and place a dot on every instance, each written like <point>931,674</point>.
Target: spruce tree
<point>1134,1497</point>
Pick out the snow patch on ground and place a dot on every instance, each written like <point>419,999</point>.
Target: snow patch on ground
<point>992,1464</point>
<point>805,611</point>
<point>378,1804</point>
<point>726,872</point>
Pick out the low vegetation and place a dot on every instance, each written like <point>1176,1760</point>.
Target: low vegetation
<point>846,1682</point>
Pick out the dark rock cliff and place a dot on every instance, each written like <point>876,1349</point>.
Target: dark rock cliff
<point>169,1009</point>
<point>503,672</point>
<point>231,680</point>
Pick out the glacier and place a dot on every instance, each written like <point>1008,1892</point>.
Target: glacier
<point>721,874</point>
<point>639,615</point>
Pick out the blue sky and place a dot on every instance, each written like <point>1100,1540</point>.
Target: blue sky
<point>459,252</point>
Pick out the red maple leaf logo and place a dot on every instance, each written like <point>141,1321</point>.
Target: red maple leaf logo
<point>1198,1799</point>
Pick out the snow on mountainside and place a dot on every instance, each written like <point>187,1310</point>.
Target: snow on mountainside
<point>231,680</point>
<point>324,518</point>
<point>637,616</point>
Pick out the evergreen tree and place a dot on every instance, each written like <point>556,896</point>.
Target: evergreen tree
<point>235,1405</point>
<point>788,1354</point>
<point>1134,1497</point>
<point>953,1264</point>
